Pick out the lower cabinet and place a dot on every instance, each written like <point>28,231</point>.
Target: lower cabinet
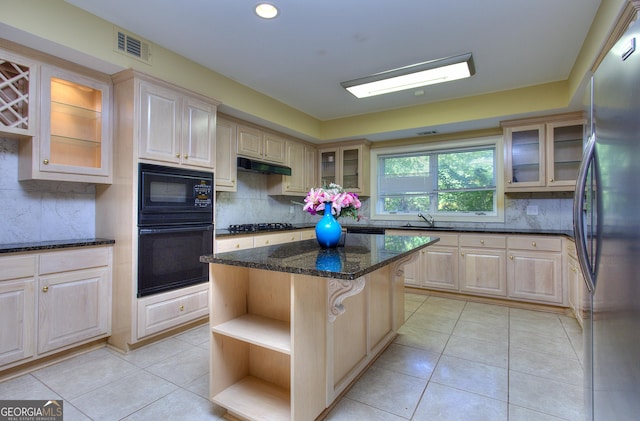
<point>577,294</point>
<point>240,242</point>
<point>482,268</point>
<point>53,300</point>
<point>161,312</point>
<point>517,267</point>
<point>534,269</point>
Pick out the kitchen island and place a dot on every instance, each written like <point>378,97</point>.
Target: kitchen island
<point>293,325</point>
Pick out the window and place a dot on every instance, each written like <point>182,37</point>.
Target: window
<point>458,182</point>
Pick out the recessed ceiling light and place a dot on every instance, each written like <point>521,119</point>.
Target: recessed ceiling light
<point>266,10</point>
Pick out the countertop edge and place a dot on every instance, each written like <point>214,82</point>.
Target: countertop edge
<point>53,245</point>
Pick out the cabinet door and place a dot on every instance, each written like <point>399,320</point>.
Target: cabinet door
<point>483,271</point>
<point>295,183</point>
<point>274,148</point>
<point>18,95</point>
<point>440,267</point>
<point>310,177</point>
<point>198,131</point>
<point>73,307</point>
<point>17,324</point>
<point>412,271</point>
<point>351,168</point>
<point>75,127</point>
<point>524,156</point>
<point>226,163</point>
<point>160,123</point>
<point>535,276</point>
<point>564,152</point>
<point>249,142</point>
<point>328,167</point>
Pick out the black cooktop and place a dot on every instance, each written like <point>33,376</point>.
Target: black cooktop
<point>266,226</point>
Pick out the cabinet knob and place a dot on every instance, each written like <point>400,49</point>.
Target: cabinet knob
<point>551,180</point>
<point>45,288</point>
<point>45,162</point>
<point>177,155</point>
<point>462,254</point>
<point>186,157</point>
<point>481,241</point>
<point>181,308</point>
<point>533,243</point>
<point>510,257</point>
<point>237,246</point>
<point>266,242</point>
<point>508,181</point>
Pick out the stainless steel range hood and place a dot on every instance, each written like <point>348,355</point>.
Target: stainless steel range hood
<point>246,164</point>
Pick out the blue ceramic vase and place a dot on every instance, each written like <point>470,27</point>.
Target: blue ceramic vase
<point>328,229</point>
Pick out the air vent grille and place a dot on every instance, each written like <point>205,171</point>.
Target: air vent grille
<point>132,46</point>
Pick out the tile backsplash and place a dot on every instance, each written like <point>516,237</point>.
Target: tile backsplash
<point>41,210</point>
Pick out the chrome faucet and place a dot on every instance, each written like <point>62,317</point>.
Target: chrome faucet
<point>428,219</point>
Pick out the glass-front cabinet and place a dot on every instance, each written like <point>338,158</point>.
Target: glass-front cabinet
<point>74,142</point>
<point>346,165</point>
<point>543,154</point>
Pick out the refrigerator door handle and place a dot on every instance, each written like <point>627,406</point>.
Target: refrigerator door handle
<point>579,230</point>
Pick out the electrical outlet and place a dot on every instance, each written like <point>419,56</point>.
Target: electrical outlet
<point>532,210</point>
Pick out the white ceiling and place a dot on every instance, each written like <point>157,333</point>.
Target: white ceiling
<point>301,57</point>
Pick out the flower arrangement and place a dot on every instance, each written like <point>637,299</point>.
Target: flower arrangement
<point>343,203</point>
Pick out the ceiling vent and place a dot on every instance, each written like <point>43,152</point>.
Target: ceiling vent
<point>132,46</point>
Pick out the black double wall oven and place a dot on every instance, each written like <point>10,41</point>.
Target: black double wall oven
<point>175,227</point>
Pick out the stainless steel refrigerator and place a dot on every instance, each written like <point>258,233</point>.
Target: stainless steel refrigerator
<point>607,232</point>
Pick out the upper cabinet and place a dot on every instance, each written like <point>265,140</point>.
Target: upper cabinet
<point>543,154</point>
<point>74,141</point>
<point>18,96</point>
<point>346,164</point>
<point>176,127</point>
<point>255,143</point>
<point>301,158</point>
<point>226,163</point>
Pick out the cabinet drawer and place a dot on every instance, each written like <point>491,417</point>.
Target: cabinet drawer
<point>234,243</point>
<point>479,241</point>
<point>271,239</point>
<point>64,261</point>
<point>164,311</point>
<point>450,240</point>
<point>17,267</point>
<point>308,234</point>
<point>535,243</point>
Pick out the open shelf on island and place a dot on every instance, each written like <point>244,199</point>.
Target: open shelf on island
<point>253,399</point>
<point>258,330</point>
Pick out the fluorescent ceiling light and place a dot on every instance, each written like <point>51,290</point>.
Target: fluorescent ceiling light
<point>266,10</point>
<point>413,76</point>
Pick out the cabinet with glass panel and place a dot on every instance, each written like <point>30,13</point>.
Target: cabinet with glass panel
<point>543,154</point>
<point>74,142</point>
<point>346,164</point>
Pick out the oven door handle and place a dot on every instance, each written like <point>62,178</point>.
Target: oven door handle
<point>169,230</point>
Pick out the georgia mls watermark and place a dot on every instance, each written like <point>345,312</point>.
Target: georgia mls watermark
<point>30,410</point>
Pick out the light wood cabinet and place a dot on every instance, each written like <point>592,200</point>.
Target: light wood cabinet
<point>301,158</point>
<point>18,95</point>
<point>534,269</point>
<point>346,164</point>
<point>226,162</point>
<point>482,264</point>
<point>17,308</point>
<point>161,312</point>
<point>256,143</point>
<point>577,294</point>
<point>241,242</point>
<point>53,300</point>
<point>543,154</point>
<point>74,142</point>
<point>176,127</point>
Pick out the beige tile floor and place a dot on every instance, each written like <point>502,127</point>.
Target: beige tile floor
<point>453,360</point>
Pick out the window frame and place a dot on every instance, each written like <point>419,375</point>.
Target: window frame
<point>445,146</point>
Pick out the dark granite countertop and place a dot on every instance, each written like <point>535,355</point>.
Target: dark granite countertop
<point>379,229</point>
<point>52,245</point>
<point>361,254</point>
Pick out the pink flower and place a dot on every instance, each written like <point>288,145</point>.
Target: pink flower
<point>342,203</point>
